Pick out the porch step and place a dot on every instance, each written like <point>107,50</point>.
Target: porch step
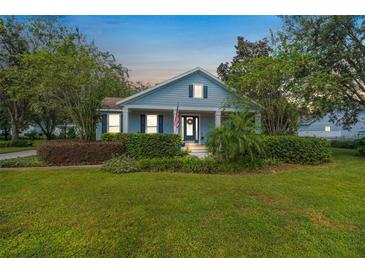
<point>198,150</point>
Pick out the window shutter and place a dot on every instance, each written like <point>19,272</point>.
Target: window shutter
<point>143,123</point>
<point>104,123</point>
<point>191,87</point>
<point>160,123</point>
<point>205,92</point>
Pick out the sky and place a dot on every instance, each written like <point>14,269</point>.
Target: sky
<point>156,48</point>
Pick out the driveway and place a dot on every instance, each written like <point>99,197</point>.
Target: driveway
<point>13,155</point>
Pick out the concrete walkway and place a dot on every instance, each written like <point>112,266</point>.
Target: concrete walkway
<point>18,154</point>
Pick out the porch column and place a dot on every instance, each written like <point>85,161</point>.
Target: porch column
<point>257,122</point>
<point>218,115</point>
<point>175,130</point>
<point>125,120</point>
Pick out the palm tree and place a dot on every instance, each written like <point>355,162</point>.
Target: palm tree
<point>236,140</point>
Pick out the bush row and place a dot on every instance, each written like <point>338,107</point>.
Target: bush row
<point>360,145</point>
<point>16,143</point>
<point>350,144</point>
<point>139,145</point>
<point>31,161</point>
<point>191,164</point>
<point>297,150</point>
<point>78,152</point>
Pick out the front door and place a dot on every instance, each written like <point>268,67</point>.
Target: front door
<point>191,129</point>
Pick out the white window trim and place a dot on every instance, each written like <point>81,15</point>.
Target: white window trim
<point>114,126</point>
<point>147,126</point>
<point>202,91</point>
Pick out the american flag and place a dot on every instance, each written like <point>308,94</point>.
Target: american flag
<point>177,118</point>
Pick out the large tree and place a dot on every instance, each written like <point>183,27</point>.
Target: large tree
<point>264,72</point>
<point>78,76</point>
<point>12,44</point>
<point>24,90</point>
<point>17,39</point>
<point>336,44</point>
<point>244,50</point>
<point>269,80</point>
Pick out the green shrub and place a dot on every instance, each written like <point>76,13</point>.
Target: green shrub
<point>350,144</point>
<point>21,143</point>
<point>31,161</point>
<point>236,140</point>
<point>71,133</point>
<point>191,164</point>
<point>297,150</point>
<point>141,145</point>
<point>33,135</point>
<point>161,164</point>
<point>75,152</point>
<point>122,164</point>
<point>5,144</point>
<point>16,143</point>
<point>360,146</point>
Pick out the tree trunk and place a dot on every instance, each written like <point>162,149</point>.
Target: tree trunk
<point>14,131</point>
<point>48,136</point>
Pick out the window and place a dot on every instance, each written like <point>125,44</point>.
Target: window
<point>198,91</point>
<point>327,128</point>
<point>151,126</point>
<point>114,123</point>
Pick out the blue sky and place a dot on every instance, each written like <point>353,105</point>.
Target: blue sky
<point>156,48</point>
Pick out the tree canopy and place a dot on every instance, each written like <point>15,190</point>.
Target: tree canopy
<point>49,70</point>
<point>336,44</point>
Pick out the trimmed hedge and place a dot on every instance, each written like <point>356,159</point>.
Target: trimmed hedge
<point>141,145</point>
<point>297,150</point>
<point>350,144</point>
<point>75,152</point>
<point>190,164</point>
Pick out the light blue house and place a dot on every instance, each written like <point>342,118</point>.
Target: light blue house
<point>325,129</point>
<point>189,104</point>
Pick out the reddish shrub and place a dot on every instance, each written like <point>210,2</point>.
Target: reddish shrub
<point>78,152</point>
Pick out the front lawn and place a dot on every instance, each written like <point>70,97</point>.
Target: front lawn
<point>311,211</point>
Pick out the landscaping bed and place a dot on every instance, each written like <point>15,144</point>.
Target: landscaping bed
<point>30,161</point>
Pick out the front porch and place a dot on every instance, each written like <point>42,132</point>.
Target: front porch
<point>193,124</point>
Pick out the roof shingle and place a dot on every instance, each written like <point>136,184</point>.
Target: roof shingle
<point>110,103</point>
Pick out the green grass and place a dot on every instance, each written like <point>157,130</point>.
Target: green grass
<point>311,211</point>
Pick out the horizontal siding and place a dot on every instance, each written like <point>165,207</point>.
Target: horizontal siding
<point>177,92</point>
<point>317,129</point>
<point>207,123</point>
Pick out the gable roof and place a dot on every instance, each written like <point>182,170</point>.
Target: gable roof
<point>197,69</point>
